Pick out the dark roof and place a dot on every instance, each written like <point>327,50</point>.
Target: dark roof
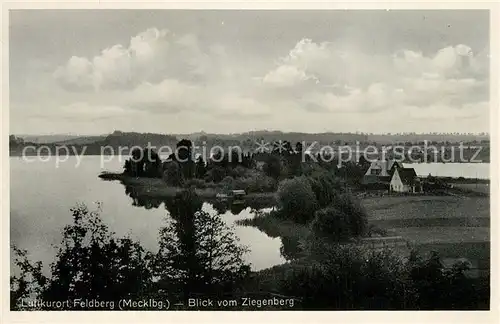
<point>384,179</point>
<point>372,178</point>
<point>407,175</point>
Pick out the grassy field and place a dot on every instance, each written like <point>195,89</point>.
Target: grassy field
<point>453,226</point>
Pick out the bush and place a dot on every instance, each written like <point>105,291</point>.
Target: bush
<point>344,277</point>
<point>197,183</point>
<point>342,220</point>
<point>215,174</point>
<point>326,187</point>
<point>296,199</point>
<point>256,183</point>
<point>332,223</point>
<point>350,206</point>
<point>272,167</point>
<point>239,172</point>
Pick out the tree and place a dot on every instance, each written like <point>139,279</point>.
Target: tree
<point>15,141</point>
<point>296,199</point>
<point>326,187</point>
<point>332,223</point>
<point>272,167</point>
<point>364,164</point>
<point>173,175</point>
<point>152,163</point>
<point>357,215</point>
<point>127,167</point>
<point>298,148</point>
<point>137,162</point>
<point>201,168</point>
<point>90,264</point>
<point>198,253</point>
<point>352,172</point>
<point>184,157</point>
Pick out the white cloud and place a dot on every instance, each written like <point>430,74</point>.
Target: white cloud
<point>160,73</point>
<point>172,96</point>
<point>453,78</point>
<point>286,76</point>
<point>88,111</point>
<point>151,56</point>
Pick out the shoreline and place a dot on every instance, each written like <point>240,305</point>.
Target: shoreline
<point>157,188</point>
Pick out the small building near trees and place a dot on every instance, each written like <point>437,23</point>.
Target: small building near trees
<point>405,180</point>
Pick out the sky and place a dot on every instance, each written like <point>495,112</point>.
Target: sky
<point>227,71</point>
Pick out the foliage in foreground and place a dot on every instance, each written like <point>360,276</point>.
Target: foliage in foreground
<point>90,264</point>
<point>344,277</point>
<point>198,254</point>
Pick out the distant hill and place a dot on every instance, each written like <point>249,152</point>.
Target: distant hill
<point>415,138</point>
<point>82,140</point>
<point>44,139</point>
<point>246,139</point>
<point>129,139</point>
<point>330,137</point>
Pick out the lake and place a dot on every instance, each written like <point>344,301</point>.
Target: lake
<point>42,193</point>
<point>466,170</point>
<point>41,196</point>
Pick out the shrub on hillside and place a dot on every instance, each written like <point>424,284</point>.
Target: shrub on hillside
<point>326,186</point>
<point>296,199</point>
<point>256,183</point>
<point>345,277</point>
<point>215,174</point>
<point>352,207</point>
<point>332,223</point>
<point>343,219</point>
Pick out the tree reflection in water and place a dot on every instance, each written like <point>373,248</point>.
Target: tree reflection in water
<point>290,245</point>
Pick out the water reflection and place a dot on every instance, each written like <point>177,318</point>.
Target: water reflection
<point>266,244</point>
<point>142,201</point>
<point>220,206</point>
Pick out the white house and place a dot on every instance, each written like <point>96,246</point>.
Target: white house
<point>405,180</point>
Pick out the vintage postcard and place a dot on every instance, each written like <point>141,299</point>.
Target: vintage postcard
<point>249,158</point>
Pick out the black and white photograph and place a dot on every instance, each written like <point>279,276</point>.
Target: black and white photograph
<point>249,160</point>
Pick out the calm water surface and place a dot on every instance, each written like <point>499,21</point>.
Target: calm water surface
<point>466,170</point>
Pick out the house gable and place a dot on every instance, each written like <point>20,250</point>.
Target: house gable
<point>396,180</point>
<point>377,168</point>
